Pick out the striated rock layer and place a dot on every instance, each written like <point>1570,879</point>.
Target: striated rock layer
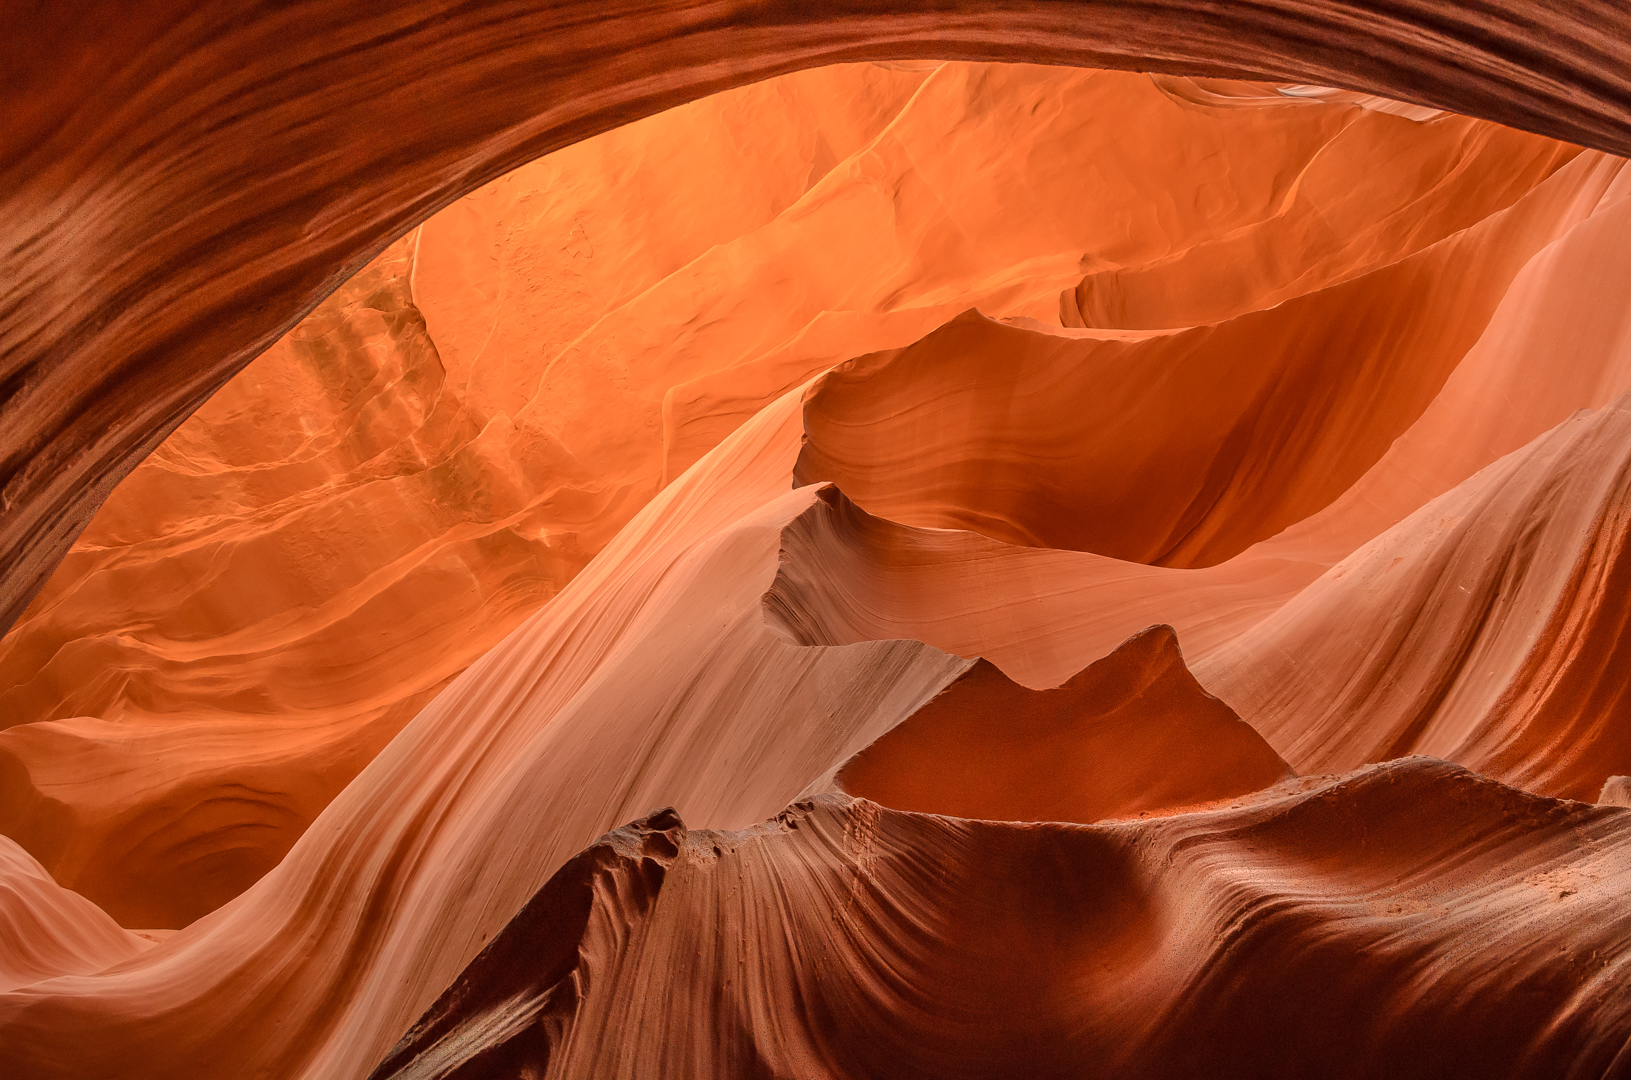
<point>715,658</point>
<point>1331,926</point>
<point>1492,628</point>
<point>445,442</point>
<point>377,502</point>
<point>970,586</point>
<point>178,187</point>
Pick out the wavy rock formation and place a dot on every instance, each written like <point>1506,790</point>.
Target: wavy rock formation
<point>698,637</point>
<point>438,448</point>
<point>179,187</point>
<point>1492,629</point>
<point>1180,448</point>
<point>857,519</point>
<point>1256,940</point>
<point>365,511</point>
<point>48,931</point>
<point>1129,734</point>
<point>310,973</point>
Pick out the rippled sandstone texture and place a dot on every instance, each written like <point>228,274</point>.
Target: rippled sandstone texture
<point>180,186</point>
<point>909,505</point>
<point>1058,951</point>
<point>378,500</point>
<point>447,440</point>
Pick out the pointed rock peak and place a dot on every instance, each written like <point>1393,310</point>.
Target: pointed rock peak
<point>515,996</point>
<point>1131,733</point>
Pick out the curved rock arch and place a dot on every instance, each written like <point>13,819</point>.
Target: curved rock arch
<point>182,185</point>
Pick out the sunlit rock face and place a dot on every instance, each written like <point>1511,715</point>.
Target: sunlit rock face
<point>379,499</point>
<point>1109,574</point>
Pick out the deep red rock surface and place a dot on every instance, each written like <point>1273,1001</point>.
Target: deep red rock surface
<point>1253,940</point>
<point>1130,734</point>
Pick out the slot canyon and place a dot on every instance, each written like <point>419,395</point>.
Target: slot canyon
<point>815,541</point>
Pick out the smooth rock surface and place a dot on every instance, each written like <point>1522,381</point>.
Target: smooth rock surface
<point>867,475</point>
<point>180,186</point>
<point>448,439</point>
